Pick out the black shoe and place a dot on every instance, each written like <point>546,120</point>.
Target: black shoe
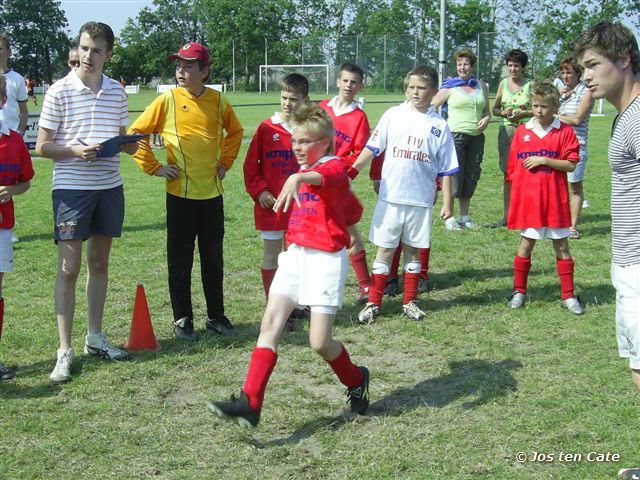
<point>300,313</point>
<point>183,329</point>
<point>392,287</point>
<point>222,326</point>
<point>6,374</point>
<point>237,409</point>
<point>358,396</point>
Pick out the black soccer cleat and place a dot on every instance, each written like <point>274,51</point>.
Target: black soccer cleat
<point>358,396</point>
<point>238,409</point>
<point>222,326</point>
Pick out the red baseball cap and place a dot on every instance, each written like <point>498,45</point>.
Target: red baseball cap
<point>192,51</point>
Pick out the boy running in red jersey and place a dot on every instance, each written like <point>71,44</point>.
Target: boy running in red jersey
<point>351,134</point>
<point>543,150</point>
<point>269,162</point>
<point>311,272</point>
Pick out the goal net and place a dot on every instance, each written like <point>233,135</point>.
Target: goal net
<point>271,75</point>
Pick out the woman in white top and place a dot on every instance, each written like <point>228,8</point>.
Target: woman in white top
<point>576,102</point>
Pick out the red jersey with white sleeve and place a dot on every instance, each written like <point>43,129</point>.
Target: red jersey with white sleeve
<point>15,167</point>
<point>268,164</point>
<point>540,197</point>
<point>418,148</point>
<point>320,221</point>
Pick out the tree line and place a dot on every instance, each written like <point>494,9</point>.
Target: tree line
<point>311,31</point>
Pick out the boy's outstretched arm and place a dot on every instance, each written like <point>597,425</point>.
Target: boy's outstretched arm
<point>365,157</point>
<point>447,198</point>
<point>290,189</point>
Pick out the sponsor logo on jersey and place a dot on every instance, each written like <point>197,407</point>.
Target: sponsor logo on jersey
<point>540,153</point>
<point>436,131</point>
<point>342,136</point>
<point>276,137</point>
<point>284,154</point>
<point>527,138</point>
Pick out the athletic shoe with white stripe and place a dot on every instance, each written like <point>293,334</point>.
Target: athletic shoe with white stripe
<point>97,344</point>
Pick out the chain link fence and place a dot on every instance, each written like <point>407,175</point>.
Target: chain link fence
<point>385,59</point>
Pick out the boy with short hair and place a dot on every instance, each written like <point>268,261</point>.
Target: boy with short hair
<point>311,272</point>
<point>352,131</point>
<point>79,112</point>
<point>419,147</point>
<point>611,58</point>
<point>543,150</point>
<point>268,164</point>
<point>15,178</point>
<point>203,137</point>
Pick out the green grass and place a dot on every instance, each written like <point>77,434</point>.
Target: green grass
<point>457,395</point>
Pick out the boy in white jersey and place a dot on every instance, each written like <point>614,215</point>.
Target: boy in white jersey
<point>88,199</point>
<point>418,147</point>
<point>611,59</point>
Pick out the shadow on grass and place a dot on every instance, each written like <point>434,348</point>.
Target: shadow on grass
<point>135,228</point>
<point>481,380</point>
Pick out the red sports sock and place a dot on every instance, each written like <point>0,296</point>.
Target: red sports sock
<point>347,372</point>
<point>359,265</point>
<point>376,290</point>
<point>262,362</point>
<point>395,263</point>
<point>425,253</point>
<point>410,287</point>
<point>1,315</point>
<point>564,267</point>
<point>267,278</point>
<point>521,267</point>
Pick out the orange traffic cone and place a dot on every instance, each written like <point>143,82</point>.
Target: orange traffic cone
<point>141,336</point>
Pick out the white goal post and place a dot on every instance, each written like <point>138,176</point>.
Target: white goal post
<point>270,76</point>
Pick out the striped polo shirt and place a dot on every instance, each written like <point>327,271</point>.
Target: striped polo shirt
<point>77,115</point>
<point>624,159</point>
<point>569,106</point>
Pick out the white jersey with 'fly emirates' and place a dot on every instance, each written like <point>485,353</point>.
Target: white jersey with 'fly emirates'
<point>418,147</point>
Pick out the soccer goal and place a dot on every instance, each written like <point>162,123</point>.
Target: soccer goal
<point>270,77</point>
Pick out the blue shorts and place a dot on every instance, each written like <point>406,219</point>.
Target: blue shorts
<point>578,174</point>
<point>79,214</point>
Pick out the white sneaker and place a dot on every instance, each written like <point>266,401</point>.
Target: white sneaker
<point>466,222</point>
<point>412,310</point>
<point>368,313</point>
<point>452,224</point>
<point>62,371</point>
<point>516,300</point>
<point>585,203</point>
<point>574,305</point>
<point>97,344</point>
<point>14,239</point>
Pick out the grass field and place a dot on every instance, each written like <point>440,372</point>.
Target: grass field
<point>457,395</point>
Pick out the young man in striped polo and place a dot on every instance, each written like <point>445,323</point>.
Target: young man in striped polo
<point>611,59</point>
<point>79,112</point>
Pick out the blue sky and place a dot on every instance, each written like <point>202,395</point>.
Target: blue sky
<point>112,12</point>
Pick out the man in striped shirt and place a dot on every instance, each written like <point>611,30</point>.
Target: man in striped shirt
<point>79,112</point>
<point>611,58</point>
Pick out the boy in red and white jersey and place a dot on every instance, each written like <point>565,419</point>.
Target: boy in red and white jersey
<point>542,151</point>
<point>418,148</point>
<point>352,131</point>
<point>268,164</point>
<point>311,272</point>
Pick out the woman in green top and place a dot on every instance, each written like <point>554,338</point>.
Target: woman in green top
<point>469,115</point>
<point>513,104</point>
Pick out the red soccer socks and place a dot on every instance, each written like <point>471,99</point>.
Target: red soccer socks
<point>263,360</point>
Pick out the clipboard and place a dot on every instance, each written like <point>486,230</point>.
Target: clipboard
<point>111,147</point>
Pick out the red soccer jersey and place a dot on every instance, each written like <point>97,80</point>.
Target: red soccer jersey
<point>540,197</point>
<point>320,221</point>
<point>351,131</point>
<point>268,164</point>
<point>15,167</point>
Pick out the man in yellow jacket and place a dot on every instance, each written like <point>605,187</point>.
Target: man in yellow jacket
<point>202,136</point>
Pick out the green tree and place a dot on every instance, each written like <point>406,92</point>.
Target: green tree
<point>39,40</point>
